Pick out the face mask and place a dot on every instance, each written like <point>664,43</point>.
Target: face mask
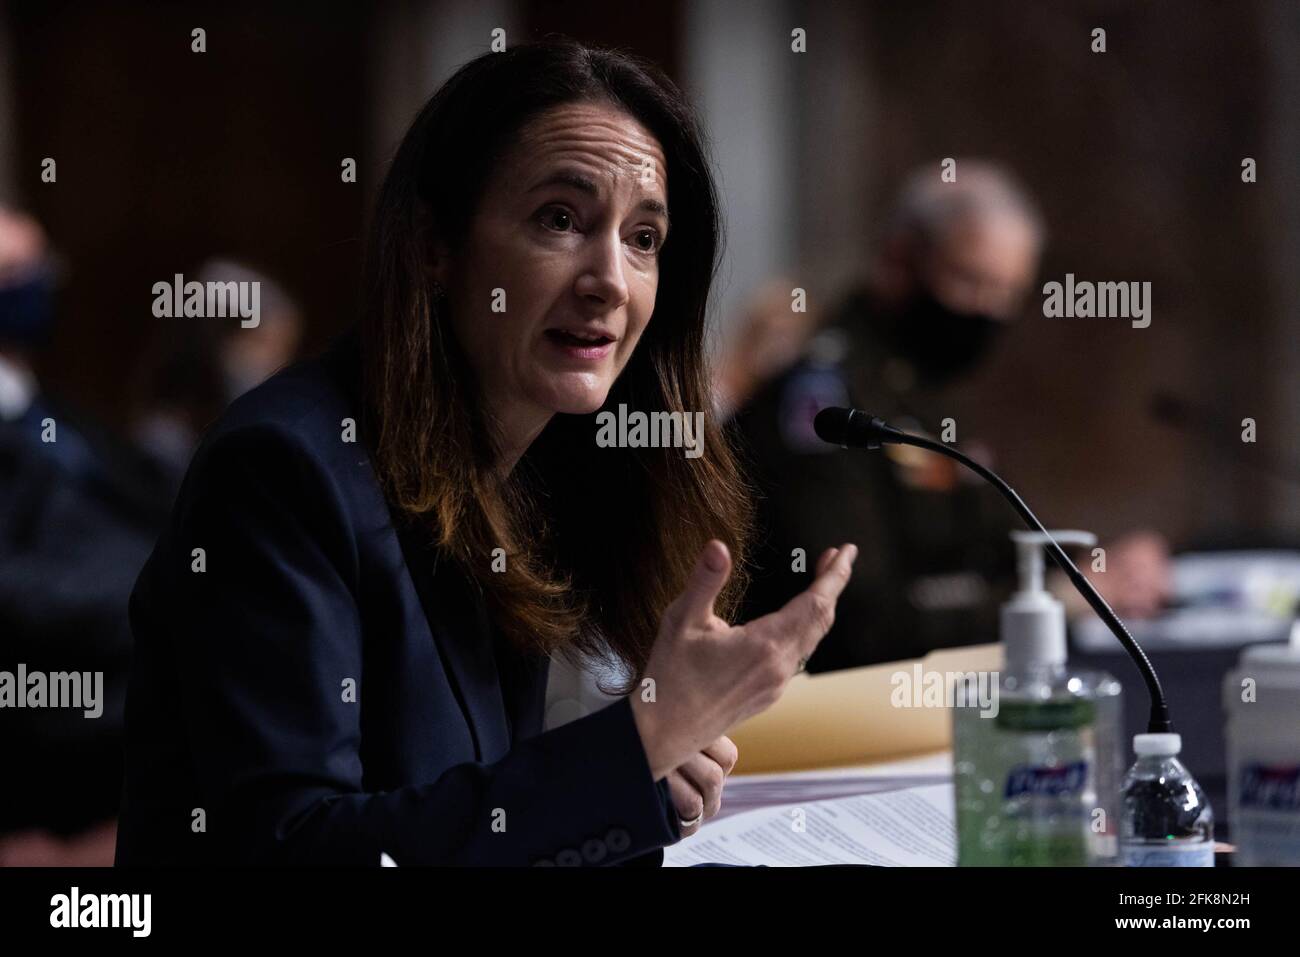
<point>26,310</point>
<point>941,344</point>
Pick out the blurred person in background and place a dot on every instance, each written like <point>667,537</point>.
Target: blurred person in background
<point>954,267</point>
<point>78,513</point>
<point>203,366</point>
<point>770,338</point>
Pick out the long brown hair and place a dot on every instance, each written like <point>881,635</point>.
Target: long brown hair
<point>597,541</point>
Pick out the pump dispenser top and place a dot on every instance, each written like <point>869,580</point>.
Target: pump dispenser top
<point>1033,621</point>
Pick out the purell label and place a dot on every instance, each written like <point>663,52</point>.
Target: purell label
<point>1270,787</point>
<point>1062,781</point>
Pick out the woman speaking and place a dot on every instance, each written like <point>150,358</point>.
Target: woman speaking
<point>342,638</point>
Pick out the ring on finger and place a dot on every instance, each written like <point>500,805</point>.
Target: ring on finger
<point>693,821</point>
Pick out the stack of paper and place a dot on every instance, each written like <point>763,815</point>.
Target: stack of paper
<point>908,827</point>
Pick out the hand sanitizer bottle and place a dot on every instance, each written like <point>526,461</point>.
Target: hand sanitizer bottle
<point>1037,774</point>
<point>1261,698</point>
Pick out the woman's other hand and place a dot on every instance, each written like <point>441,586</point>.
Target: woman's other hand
<point>697,785</point>
<point>705,676</point>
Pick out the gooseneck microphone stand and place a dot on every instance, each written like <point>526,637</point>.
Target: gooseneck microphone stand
<point>852,428</point>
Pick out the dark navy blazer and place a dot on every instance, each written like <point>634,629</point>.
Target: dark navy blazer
<point>322,690</point>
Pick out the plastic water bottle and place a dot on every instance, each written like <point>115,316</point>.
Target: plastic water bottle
<point>1165,820</point>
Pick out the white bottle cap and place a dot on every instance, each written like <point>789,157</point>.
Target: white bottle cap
<point>1164,745</point>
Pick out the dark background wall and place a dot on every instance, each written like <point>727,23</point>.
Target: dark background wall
<point>166,157</point>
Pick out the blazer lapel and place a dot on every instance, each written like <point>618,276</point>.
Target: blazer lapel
<point>523,680</point>
<point>464,643</point>
<point>457,622</point>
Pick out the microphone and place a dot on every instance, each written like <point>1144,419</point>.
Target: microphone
<point>849,428</point>
<point>852,428</point>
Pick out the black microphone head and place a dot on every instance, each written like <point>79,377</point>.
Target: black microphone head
<point>853,429</point>
<point>832,424</point>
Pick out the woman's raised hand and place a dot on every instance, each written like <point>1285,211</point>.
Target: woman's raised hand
<point>705,676</point>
